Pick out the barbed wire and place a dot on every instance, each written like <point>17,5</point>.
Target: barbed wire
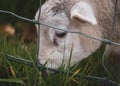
<point>38,22</point>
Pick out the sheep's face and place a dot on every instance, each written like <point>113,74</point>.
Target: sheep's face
<point>56,46</point>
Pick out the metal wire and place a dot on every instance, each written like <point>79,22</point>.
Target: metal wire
<point>91,78</point>
<point>111,37</point>
<point>38,34</point>
<point>107,41</point>
<point>53,27</point>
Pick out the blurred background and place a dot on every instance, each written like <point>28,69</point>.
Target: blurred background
<point>11,25</point>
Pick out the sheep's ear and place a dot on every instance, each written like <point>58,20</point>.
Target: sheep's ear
<point>84,12</point>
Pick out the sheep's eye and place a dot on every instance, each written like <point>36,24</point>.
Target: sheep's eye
<point>60,34</point>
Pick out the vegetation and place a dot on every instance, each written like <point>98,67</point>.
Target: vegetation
<point>16,74</point>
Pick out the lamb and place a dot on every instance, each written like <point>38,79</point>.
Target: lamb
<point>92,17</point>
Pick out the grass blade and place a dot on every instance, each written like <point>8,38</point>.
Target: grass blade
<point>12,81</point>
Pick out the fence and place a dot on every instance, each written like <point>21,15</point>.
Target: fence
<point>107,41</point>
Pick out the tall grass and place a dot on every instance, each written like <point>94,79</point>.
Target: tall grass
<point>15,74</point>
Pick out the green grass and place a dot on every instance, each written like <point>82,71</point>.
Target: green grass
<point>15,74</point>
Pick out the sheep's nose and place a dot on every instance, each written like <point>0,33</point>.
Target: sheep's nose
<point>39,65</point>
<point>42,68</point>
